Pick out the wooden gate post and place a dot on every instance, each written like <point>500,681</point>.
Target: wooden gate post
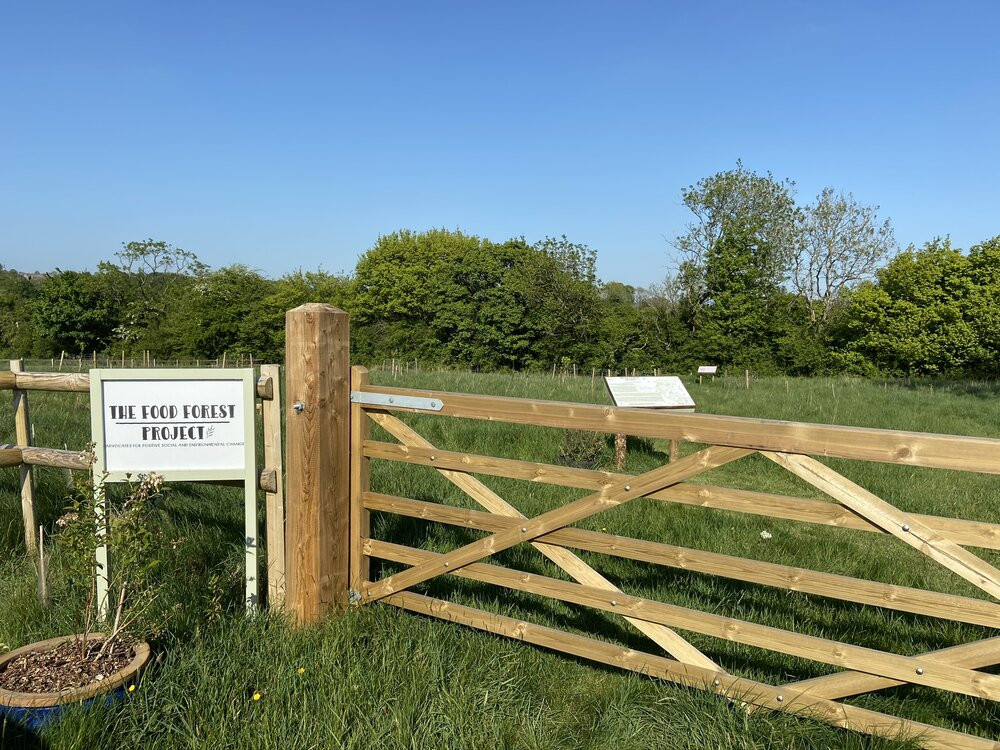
<point>317,427</point>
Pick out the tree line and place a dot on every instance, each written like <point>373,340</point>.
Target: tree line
<point>763,282</point>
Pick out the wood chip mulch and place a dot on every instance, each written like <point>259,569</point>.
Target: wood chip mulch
<point>64,667</point>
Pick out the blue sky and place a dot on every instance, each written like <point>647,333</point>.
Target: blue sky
<point>291,135</point>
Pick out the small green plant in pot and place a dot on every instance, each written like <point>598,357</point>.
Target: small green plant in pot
<point>105,654</point>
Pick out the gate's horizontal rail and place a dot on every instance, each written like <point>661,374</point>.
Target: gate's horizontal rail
<point>803,580</point>
<point>904,668</point>
<point>735,688</point>
<point>861,443</point>
<point>970,533</point>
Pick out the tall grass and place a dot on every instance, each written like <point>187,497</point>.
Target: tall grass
<point>376,677</point>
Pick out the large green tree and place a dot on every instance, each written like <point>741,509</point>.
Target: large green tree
<point>841,243</point>
<point>930,311</point>
<point>556,285</point>
<point>743,307</point>
<point>446,296</point>
<point>218,312</point>
<point>291,290</point>
<point>401,286</point>
<point>18,336</point>
<point>77,312</point>
<point>146,279</point>
<point>737,207</point>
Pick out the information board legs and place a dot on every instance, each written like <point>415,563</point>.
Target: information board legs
<point>250,516</point>
<point>102,561</point>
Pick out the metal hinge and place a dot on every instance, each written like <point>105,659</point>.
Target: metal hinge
<point>404,402</point>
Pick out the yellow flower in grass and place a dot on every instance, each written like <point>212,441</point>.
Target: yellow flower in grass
<point>256,696</point>
<point>301,670</point>
<point>131,688</point>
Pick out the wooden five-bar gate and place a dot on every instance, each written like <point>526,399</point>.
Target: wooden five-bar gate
<point>330,546</point>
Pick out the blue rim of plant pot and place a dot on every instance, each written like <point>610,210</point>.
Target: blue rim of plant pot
<point>34,710</point>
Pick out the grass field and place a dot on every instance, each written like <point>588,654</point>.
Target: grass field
<point>376,677</point>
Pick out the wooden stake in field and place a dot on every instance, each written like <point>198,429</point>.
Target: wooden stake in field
<point>22,432</point>
<point>68,473</point>
<point>620,443</point>
<point>43,570</point>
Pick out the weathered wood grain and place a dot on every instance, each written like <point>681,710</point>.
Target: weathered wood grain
<point>318,456</point>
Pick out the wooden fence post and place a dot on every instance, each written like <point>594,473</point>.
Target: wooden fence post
<point>274,496</point>
<point>317,426</point>
<point>22,432</point>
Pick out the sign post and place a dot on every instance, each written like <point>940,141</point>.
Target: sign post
<point>666,392</point>
<point>184,425</point>
<point>707,370</point>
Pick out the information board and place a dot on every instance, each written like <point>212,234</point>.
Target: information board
<point>665,392</point>
<point>186,425</point>
<point>708,369</point>
<point>180,429</point>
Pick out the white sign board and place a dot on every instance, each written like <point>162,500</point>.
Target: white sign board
<point>174,428</point>
<point>654,392</point>
<point>708,369</point>
<point>185,425</point>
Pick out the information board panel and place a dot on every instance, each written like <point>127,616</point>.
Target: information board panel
<point>708,369</point>
<point>665,392</point>
<point>187,425</point>
<point>182,425</point>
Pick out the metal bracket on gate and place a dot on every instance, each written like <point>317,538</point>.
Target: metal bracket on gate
<point>405,402</point>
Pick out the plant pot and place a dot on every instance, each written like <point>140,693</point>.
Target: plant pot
<point>36,709</point>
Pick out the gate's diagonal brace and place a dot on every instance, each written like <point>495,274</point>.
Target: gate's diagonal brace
<point>977,655</point>
<point>896,522</point>
<point>613,495</point>
<point>663,636</point>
